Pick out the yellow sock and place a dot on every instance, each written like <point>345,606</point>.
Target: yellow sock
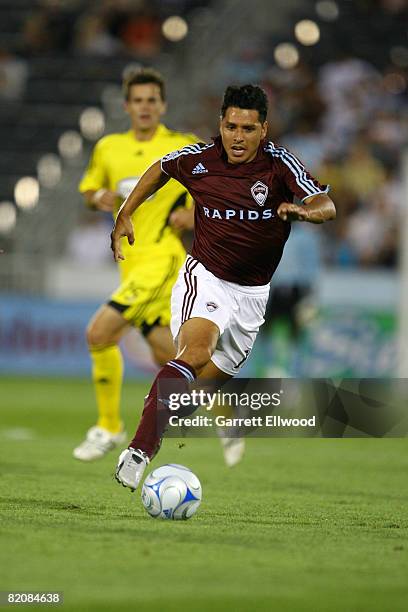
<point>107,375</point>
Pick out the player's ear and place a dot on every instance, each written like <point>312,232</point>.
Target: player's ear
<point>264,129</point>
<point>126,106</point>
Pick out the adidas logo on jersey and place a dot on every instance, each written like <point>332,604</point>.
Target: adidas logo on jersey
<point>199,169</point>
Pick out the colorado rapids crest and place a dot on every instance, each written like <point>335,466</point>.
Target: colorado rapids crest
<point>259,192</point>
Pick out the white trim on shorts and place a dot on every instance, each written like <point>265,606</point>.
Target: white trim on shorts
<point>190,295</point>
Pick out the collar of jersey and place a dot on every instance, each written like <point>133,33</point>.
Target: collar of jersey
<point>160,132</point>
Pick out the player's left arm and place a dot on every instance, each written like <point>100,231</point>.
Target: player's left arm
<point>316,209</point>
<point>317,206</point>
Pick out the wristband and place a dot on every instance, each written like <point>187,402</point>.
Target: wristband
<point>97,195</point>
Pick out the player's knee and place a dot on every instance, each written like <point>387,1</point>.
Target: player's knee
<point>96,335</point>
<point>196,355</point>
<point>93,336</point>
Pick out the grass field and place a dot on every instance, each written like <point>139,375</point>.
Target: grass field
<point>301,524</point>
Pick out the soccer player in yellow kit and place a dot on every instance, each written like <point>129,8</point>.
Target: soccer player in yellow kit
<point>152,263</point>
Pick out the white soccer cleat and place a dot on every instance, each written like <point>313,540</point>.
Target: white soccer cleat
<point>233,449</point>
<point>131,465</point>
<point>98,443</point>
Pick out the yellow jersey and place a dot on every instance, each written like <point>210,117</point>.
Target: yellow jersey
<point>117,162</point>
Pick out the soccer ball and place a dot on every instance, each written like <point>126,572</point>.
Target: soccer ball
<point>171,492</point>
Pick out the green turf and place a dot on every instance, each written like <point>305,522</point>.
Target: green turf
<point>316,525</point>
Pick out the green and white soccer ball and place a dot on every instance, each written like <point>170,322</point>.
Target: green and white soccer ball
<point>171,492</point>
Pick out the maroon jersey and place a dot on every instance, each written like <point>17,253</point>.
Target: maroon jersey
<point>238,235</point>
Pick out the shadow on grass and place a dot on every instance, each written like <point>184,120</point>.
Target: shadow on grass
<point>45,504</point>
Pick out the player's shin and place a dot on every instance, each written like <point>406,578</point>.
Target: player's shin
<point>107,375</point>
<point>173,379</point>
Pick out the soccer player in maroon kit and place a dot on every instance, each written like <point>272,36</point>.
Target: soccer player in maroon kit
<point>243,187</point>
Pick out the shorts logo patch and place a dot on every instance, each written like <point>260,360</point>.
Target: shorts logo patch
<point>259,192</point>
<point>211,306</point>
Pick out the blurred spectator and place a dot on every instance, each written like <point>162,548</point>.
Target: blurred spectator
<point>388,133</point>
<point>340,251</point>
<point>248,66</point>
<point>391,194</point>
<point>372,236</point>
<point>295,101</point>
<point>141,34</point>
<point>394,6</point>
<point>13,76</point>
<point>137,25</point>
<point>93,38</point>
<point>351,89</point>
<point>49,29</point>
<point>361,171</point>
<point>37,38</point>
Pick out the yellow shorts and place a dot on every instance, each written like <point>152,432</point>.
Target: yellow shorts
<point>143,297</point>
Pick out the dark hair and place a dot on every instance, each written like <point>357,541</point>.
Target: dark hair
<point>250,97</point>
<point>142,77</point>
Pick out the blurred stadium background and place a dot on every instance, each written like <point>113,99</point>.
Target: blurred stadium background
<point>336,73</point>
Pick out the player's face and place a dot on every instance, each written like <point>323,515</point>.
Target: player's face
<point>241,133</point>
<point>145,106</point>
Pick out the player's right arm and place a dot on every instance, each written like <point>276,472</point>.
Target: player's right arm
<point>95,181</point>
<point>151,181</point>
<point>100,199</point>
